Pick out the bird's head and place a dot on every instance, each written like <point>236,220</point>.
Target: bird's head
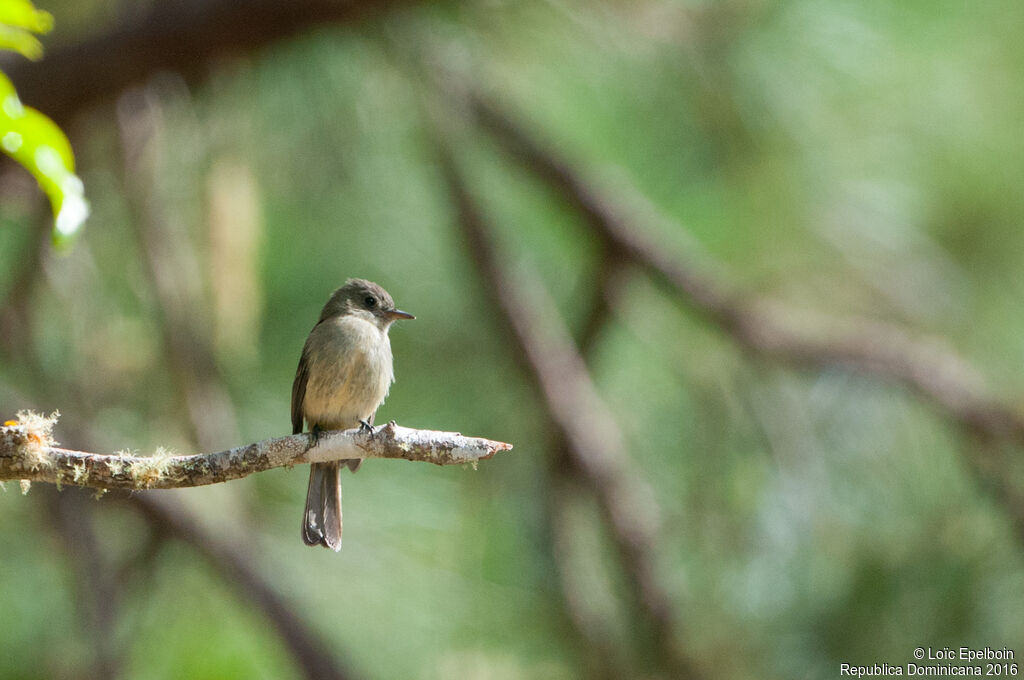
<point>366,300</point>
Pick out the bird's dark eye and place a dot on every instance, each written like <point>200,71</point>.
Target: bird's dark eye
<point>370,301</point>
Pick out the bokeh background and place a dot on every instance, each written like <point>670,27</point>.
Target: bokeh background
<point>685,498</point>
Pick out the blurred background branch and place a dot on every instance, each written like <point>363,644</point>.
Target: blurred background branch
<point>769,330</point>
<point>174,275</point>
<point>183,36</point>
<point>233,560</point>
<point>764,328</point>
<point>594,445</point>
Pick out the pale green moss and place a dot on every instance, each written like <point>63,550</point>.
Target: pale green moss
<point>38,437</point>
<point>115,464</point>
<point>147,472</point>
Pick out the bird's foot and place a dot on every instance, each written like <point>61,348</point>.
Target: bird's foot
<point>366,428</point>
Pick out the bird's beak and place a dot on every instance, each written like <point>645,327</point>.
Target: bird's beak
<point>395,314</point>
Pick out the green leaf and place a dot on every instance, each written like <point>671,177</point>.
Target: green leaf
<point>23,14</point>
<point>37,143</point>
<point>19,19</point>
<point>20,41</point>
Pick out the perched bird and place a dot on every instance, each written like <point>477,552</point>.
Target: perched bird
<point>343,376</point>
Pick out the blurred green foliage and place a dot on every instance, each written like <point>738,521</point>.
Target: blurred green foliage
<point>850,157</point>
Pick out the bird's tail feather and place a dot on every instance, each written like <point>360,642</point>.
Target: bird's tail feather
<point>321,523</point>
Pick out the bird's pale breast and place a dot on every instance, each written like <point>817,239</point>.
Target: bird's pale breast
<point>349,373</point>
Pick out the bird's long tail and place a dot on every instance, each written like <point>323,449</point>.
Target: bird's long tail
<point>321,523</point>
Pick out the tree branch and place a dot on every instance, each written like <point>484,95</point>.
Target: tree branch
<point>28,454</point>
<point>762,327</point>
<point>182,36</point>
<point>235,560</point>
<point>592,440</point>
<point>773,332</point>
<point>97,593</point>
<point>165,245</point>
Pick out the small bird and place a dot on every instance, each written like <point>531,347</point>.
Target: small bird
<point>343,376</point>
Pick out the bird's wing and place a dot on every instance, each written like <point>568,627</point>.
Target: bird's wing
<point>299,391</point>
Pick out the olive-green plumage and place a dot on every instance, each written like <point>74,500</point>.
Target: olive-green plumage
<point>343,376</point>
